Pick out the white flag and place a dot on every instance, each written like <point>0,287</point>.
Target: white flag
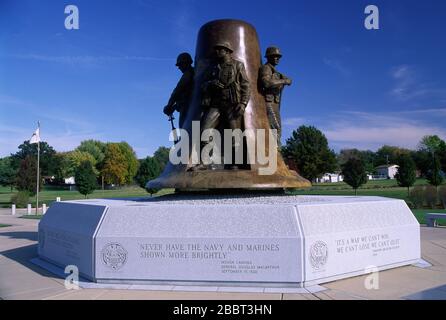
<point>36,136</point>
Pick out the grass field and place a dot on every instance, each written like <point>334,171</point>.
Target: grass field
<point>48,196</point>
<point>383,188</point>
<point>4,225</point>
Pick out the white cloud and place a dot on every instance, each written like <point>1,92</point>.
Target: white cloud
<point>337,65</point>
<point>88,60</point>
<point>61,140</point>
<point>293,122</point>
<point>408,85</point>
<point>7,101</point>
<point>63,131</point>
<point>372,130</point>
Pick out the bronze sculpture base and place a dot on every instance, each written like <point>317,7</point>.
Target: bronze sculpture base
<point>227,179</point>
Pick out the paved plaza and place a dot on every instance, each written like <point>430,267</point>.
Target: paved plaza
<point>22,279</point>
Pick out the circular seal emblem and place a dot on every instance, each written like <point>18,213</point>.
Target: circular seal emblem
<point>318,254</point>
<point>114,256</point>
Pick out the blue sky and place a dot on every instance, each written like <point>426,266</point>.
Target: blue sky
<point>110,79</point>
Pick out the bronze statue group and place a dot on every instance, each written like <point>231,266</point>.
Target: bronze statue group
<point>225,91</point>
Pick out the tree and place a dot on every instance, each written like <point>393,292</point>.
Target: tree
<point>149,169</point>
<point>430,147</point>
<point>432,144</point>
<point>27,176</point>
<point>354,173</point>
<point>434,176</point>
<point>406,175</point>
<point>368,157</point>
<point>85,178</point>
<point>75,159</point>
<point>308,148</point>
<point>97,150</point>
<point>131,161</point>
<point>7,173</point>
<point>48,163</point>
<point>162,155</point>
<point>115,167</point>
<point>64,168</point>
<point>422,160</point>
<point>388,155</point>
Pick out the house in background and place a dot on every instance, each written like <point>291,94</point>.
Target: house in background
<point>70,181</point>
<point>330,178</point>
<point>387,171</point>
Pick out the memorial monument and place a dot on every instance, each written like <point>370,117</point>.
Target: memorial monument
<point>244,239</point>
<point>228,94</point>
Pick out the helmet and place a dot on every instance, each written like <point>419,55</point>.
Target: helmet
<point>184,58</point>
<point>224,44</point>
<point>272,51</point>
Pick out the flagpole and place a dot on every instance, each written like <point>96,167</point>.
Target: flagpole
<point>38,170</point>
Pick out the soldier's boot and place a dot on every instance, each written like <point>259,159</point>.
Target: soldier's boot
<point>201,166</point>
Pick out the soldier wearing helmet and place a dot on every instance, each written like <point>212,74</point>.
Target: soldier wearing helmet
<point>225,94</point>
<point>181,95</point>
<point>271,84</point>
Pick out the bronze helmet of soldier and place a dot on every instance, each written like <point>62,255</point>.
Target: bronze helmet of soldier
<point>223,50</point>
<point>184,61</point>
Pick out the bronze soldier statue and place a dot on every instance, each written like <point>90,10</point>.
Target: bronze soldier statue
<point>225,94</point>
<point>181,95</point>
<point>271,84</point>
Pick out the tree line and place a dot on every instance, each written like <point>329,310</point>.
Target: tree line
<point>93,163</point>
<point>308,152</point>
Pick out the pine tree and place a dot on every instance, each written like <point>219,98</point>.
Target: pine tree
<point>434,176</point>
<point>406,175</point>
<point>148,170</point>
<point>354,173</point>
<point>27,176</point>
<point>308,148</point>
<point>85,178</point>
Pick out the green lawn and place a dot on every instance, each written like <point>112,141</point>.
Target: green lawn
<point>384,188</point>
<point>48,196</point>
<point>4,225</point>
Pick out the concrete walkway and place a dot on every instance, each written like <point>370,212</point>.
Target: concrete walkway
<point>21,279</point>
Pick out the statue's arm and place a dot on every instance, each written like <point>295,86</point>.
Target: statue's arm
<point>266,76</point>
<point>245,91</point>
<point>180,89</point>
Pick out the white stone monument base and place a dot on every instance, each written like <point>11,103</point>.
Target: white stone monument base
<point>234,240</point>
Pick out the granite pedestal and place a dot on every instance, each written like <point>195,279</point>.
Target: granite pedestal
<point>230,240</point>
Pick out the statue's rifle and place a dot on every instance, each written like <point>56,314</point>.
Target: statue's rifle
<point>174,130</point>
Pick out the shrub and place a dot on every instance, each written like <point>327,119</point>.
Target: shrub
<point>431,196</point>
<point>20,199</point>
<point>442,195</point>
<point>417,197</point>
<point>85,178</point>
